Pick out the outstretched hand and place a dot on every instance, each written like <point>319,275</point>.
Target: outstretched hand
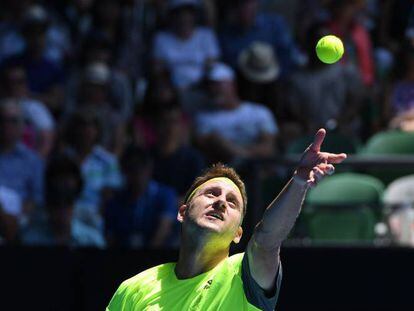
<point>314,164</point>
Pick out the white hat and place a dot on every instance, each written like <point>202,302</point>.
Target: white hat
<point>36,14</point>
<point>220,72</point>
<point>97,73</point>
<point>173,4</point>
<point>258,63</point>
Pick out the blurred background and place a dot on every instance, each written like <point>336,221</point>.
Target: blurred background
<point>109,109</point>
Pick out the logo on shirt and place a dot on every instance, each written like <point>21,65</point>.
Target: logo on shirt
<point>207,286</point>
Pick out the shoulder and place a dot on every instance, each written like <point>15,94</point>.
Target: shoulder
<point>101,154</point>
<point>204,32</point>
<point>234,262</point>
<point>131,292</point>
<point>254,108</point>
<point>147,278</point>
<point>162,36</point>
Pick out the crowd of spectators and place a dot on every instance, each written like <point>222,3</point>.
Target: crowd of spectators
<point>110,108</point>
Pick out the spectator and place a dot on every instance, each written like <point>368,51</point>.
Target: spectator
<point>185,49</point>
<point>21,170</point>
<point>246,25</point>
<point>11,16</point>
<point>63,184</point>
<point>45,76</point>
<point>97,50</point>
<point>325,96</point>
<point>109,22</point>
<point>143,212</point>
<point>39,132</point>
<point>346,25</point>
<point>234,129</point>
<point>99,167</point>
<point>401,99</point>
<point>78,16</point>
<point>159,94</point>
<point>23,13</point>
<point>95,92</point>
<point>259,70</point>
<point>176,163</point>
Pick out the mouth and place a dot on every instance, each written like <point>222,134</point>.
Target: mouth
<point>215,215</point>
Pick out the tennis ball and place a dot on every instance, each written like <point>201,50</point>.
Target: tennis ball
<point>329,49</point>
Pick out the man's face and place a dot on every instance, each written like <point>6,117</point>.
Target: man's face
<point>184,21</point>
<point>217,206</point>
<point>247,12</point>
<point>221,92</point>
<point>16,82</point>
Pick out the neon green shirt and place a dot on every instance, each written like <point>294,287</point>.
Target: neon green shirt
<point>228,286</point>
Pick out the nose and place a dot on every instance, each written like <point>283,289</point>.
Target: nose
<point>219,204</point>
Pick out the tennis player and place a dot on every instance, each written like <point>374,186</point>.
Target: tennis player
<point>205,277</point>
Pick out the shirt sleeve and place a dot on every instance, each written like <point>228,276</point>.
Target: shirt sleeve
<point>254,293</point>
<point>42,118</point>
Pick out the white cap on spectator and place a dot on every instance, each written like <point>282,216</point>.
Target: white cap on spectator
<point>97,73</point>
<point>220,72</point>
<point>36,14</point>
<point>173,4</point>
<point>258,63</point>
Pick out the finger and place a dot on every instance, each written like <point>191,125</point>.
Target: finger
<point>318,140</point>
<point>311,182</point>
<point>318,174</point>
<point>328,169</point>
<point>333,157</point>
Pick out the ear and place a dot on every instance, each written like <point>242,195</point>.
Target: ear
<point>238,236</point>
<point>181,213</point>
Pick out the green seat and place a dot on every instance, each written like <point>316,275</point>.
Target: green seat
<point>342,208</point>
<point>334,142</point>
<point>336,226</point>
<point>389,143</point>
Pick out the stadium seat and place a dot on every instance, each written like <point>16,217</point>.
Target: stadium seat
<point>334,142</point>
<point>342,208</point>
<point>389,143</point>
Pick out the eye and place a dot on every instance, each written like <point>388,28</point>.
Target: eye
<point>232,202</point>
<point>209,193</point>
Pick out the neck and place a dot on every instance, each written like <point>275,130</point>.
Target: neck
<point>198,256</point>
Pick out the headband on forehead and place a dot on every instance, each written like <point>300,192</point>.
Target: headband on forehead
<point>225,179</point>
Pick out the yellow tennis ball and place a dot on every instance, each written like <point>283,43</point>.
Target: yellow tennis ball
<point>329,49</point>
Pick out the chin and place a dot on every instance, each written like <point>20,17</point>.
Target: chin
<point>213,226</point>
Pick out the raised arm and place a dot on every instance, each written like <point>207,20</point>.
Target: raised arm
<point>280,216</point>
